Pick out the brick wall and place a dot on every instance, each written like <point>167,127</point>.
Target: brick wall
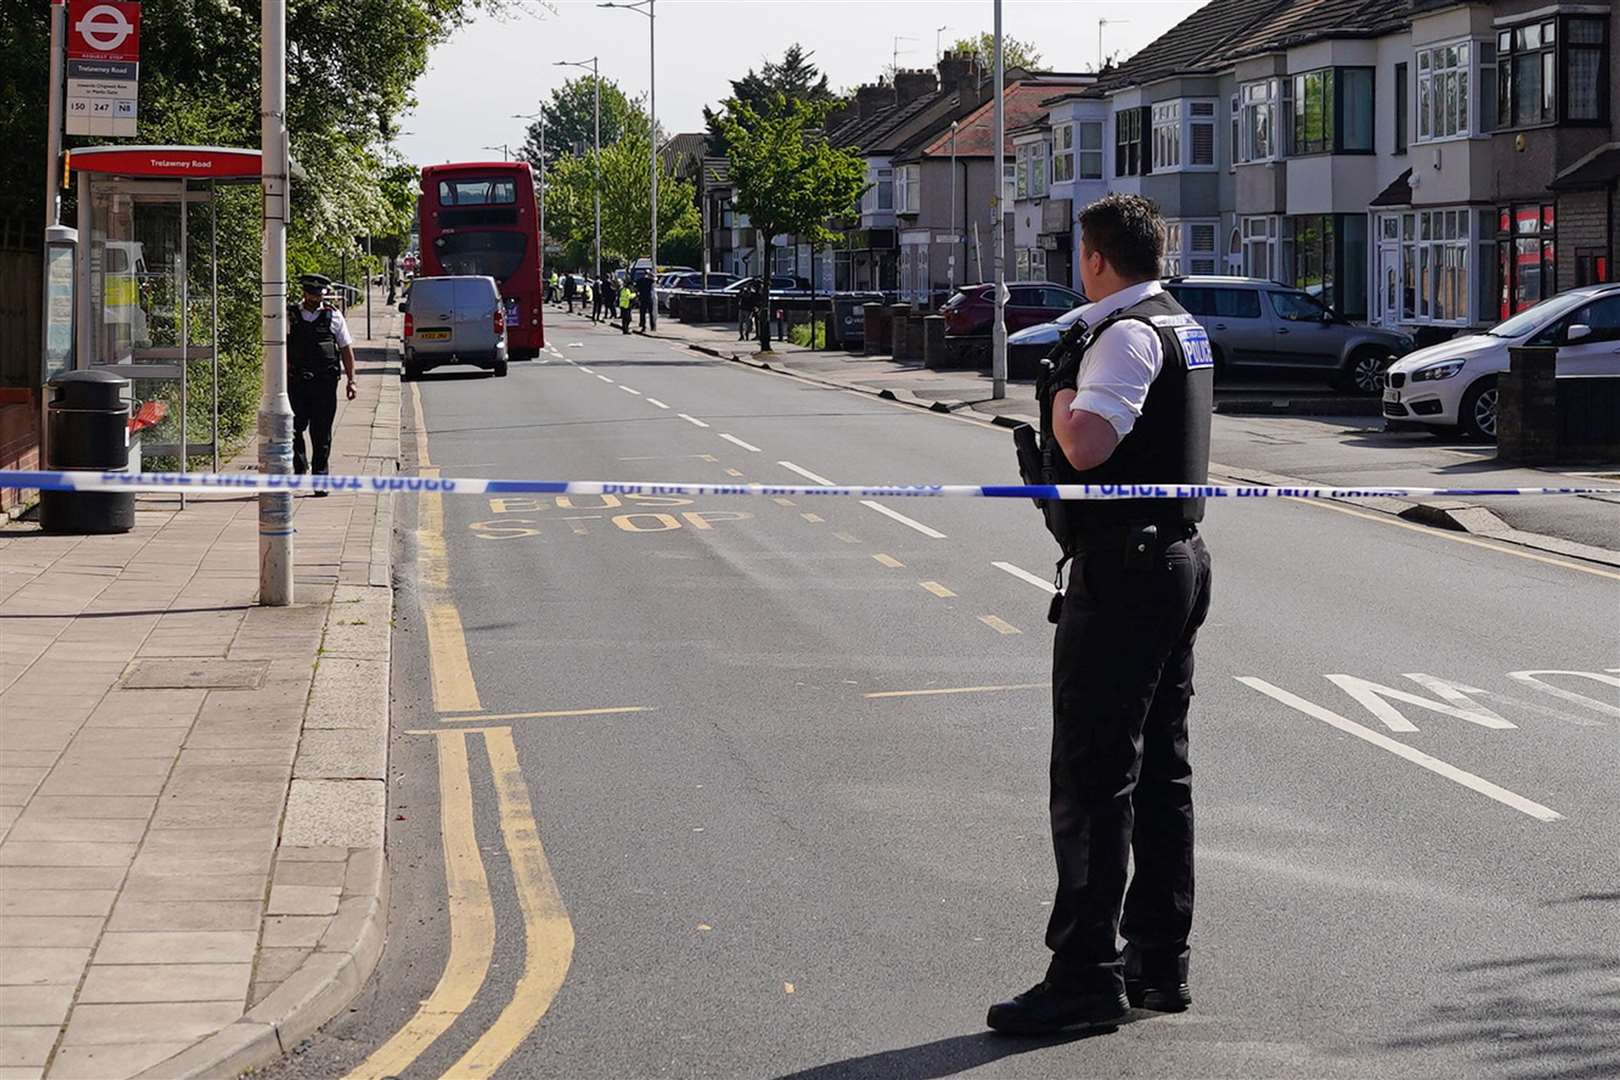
<point>19,446</point>
<point>1583,222</point>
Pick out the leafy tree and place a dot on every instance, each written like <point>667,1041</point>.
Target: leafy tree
<point>794,77</point>
<point>788,180</point>
<point>626,180</point>
<point>1014,53</point>
<point>570,119</point>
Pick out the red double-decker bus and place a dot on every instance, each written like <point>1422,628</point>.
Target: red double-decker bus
<point>480,218</point>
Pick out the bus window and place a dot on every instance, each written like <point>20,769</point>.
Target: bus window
<point>477,192</point>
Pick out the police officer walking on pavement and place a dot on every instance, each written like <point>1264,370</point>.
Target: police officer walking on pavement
<point>1126,400</point>
<point>320,349</point>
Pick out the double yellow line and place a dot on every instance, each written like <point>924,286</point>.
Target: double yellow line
<point>548,933</point>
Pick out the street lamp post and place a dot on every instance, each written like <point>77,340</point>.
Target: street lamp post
<point>952,259</point>
<point>275,408</point>
<point>541,116</point>
<point>998,361</point>
<point>504,148</point>
<point>645,7</point>
<point>596,89</point>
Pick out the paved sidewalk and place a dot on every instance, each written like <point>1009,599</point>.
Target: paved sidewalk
<point>1341,451</point>
<point>192,788</point>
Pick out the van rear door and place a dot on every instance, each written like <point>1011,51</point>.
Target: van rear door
<point>433,309</point>
<point>476,300</point>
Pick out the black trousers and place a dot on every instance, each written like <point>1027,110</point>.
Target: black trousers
<point>1122,678</point>
<point>624,320</point>
<point>314,406</point>
<point>644,305</point>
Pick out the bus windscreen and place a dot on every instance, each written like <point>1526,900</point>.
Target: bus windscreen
<point>497,254</point>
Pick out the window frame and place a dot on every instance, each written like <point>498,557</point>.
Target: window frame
<point>1063,157</point>
<point>1511,237</point>
<point>1133,147</point>
<point>1166,139</point>
<point>1253,103</point>
<point>1550,54</point>
<point>1403,108</point>
<point>1470,119</point>
<point>1332,104</point>
<point>1081,152</point>
<point>878,190</point>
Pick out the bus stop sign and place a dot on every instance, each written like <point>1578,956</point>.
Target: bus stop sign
<point>104,30</point>
<point>103,66</point>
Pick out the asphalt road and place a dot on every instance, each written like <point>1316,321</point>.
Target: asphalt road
<point>1407,851</point>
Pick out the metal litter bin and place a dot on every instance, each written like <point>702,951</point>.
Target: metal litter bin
<point>88,431</point>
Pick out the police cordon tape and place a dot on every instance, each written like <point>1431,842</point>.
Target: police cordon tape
<point>382,485</point>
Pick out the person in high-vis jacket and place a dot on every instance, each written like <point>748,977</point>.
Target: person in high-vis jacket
<point>627,300</point>
<point>320,351</point>
<point>1126,398</point>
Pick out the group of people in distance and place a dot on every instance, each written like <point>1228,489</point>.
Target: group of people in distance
<point>601,297</point>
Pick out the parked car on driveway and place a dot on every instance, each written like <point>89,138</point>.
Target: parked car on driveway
<point>1453,384</point>
<point>1256,324</point>
<point>1029,346</point>
<point>972,309</point>
<point>453,320</point>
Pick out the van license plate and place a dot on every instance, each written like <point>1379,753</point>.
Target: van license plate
<point>433,335</point>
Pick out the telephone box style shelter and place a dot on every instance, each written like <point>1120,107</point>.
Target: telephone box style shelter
<point>148,275</point>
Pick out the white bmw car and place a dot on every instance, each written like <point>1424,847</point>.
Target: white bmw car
<point>1453,384</point>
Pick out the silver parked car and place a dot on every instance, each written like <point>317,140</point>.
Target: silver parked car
<point>1260,324</point>
<point>454,320</point>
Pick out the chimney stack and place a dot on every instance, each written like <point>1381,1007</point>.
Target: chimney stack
<point>872,98</point>
<point>957,70</point>
<point>911,85</point>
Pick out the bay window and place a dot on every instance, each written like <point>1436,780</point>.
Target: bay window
<point>1259,120</point>
<point>1167,135</point>
<point>1331,111</point>
<point>1451,79</point>
<point>908,189</point>
<point>885,189</point>
<point>1089,164</point>
<point>1433,266</point>
<point>1062,153</point>
<point>1329,253</point>
<point>1554,70</point>
<point>1171,262</point>
<point>1201,134</point>
<point>1526,249</point>
<point>1132,152</point>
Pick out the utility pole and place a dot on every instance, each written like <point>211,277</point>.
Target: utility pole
<point>53,113</point>
<point>596,86</point>
<point>646,7</point>
<point>275,409</point>
<point>952,260</point>
<point>540,116</point>
<point>504,148</point>
<point>998,357</point>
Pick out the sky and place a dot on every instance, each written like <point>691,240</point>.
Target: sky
<point>493,67</point>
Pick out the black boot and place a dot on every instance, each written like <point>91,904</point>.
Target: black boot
<point>1046,1008</point>
<point>1157,981</point>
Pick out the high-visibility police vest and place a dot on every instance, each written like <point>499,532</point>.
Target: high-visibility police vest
<point>312,344</point>
<point>1168,444</point>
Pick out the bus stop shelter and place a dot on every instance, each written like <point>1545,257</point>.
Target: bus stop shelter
<point>148,280</point>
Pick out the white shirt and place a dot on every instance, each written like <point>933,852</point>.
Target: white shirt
<point>340,328</point>
<point>1121,363</point>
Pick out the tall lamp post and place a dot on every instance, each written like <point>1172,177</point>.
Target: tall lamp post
<point>645,7</point>
<point>596,87</point>
<point>275,408</point>
<point>998,361</point>
<point>540,116</point>
<point>504,148</point>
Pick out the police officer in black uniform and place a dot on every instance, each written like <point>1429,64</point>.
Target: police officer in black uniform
<point>1126,399</point>
<point>320,350</point>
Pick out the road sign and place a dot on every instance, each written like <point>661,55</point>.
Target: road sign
<point>103,67</point>
<point>104,30</point>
